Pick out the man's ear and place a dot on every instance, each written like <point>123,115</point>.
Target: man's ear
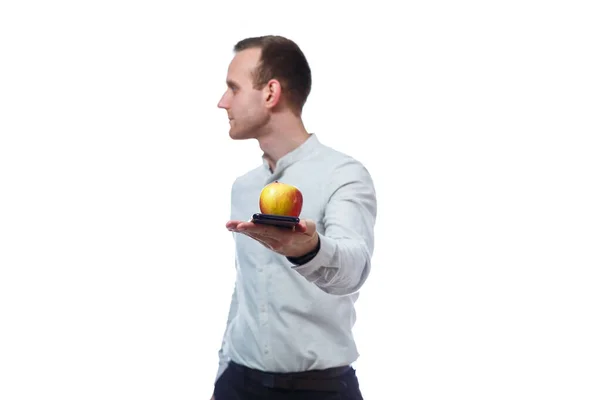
<point>272,93</point>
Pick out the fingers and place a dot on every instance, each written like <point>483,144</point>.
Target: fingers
<point>275,238</point>
<point>272,237</point>
<point>305,227</point>
<point>300,228</point>
<point>231,225</point>
<point>308,226</point>
<point>263,230</point>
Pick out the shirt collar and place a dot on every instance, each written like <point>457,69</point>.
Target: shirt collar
<point>297,154</point>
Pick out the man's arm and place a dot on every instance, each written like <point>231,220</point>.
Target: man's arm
<point>343,260</point>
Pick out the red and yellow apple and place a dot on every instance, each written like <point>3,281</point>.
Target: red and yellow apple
<point>279,198</point>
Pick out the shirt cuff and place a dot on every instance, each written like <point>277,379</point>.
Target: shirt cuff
<point>323,258</point>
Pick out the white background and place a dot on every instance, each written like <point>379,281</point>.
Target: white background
<point>477,120</point>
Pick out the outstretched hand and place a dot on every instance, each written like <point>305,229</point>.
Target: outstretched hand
<point>288,242</point>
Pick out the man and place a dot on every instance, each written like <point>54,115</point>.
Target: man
<point>289,329</point>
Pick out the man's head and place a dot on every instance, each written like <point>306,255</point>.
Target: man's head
<point>268,75</point>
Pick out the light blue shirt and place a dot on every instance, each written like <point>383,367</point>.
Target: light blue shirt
<point>288,318</point>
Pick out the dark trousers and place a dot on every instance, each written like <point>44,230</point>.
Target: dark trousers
<point>241,383</point>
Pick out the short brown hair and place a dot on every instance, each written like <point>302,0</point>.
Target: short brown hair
<point>283,60</point>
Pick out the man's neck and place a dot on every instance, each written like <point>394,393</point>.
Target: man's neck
<point>280,141</point>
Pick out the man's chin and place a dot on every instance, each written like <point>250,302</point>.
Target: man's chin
<point>235,135</point>
<point>240,135</point>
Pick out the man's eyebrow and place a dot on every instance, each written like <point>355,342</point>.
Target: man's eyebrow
<point>232,84</point>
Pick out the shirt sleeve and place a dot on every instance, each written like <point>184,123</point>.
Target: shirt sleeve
<point>346,246</point>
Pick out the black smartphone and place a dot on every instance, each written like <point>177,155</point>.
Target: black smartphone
<point>276,220</point>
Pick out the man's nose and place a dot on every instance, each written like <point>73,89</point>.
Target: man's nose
<point>223,102</point>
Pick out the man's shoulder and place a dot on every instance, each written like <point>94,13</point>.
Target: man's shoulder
<point>340,161</point>
<point>249,177</point>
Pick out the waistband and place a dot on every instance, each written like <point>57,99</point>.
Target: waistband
<point>328,380</point>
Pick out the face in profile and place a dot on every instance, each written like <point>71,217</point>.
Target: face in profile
<point>244,104</point>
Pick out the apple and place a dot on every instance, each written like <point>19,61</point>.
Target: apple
<point>279,198</point>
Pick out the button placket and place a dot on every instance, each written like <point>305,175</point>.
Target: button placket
<point>263,316</point>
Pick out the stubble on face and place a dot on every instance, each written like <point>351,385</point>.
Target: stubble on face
<point>247,117</point>
<point>250,120</point>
